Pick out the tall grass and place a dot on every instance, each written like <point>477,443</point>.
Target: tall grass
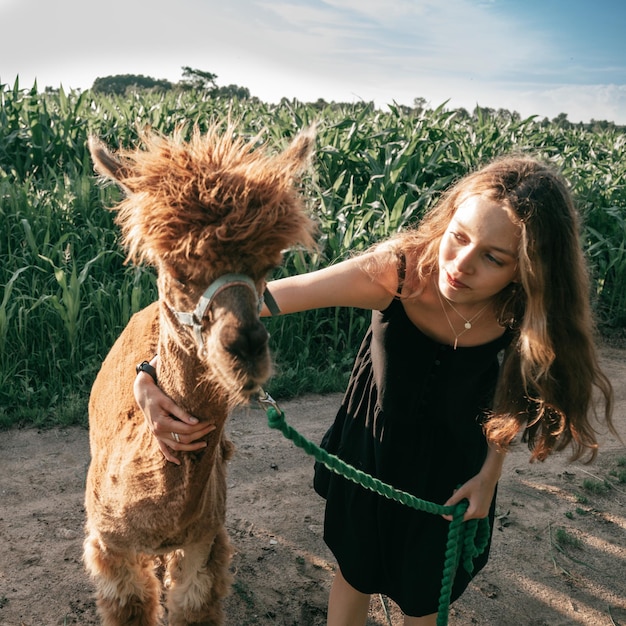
<point>65,292</point>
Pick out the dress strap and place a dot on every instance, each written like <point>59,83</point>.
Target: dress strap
<point>401,273</point>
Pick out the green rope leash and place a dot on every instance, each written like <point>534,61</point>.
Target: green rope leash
<point>465,540</point>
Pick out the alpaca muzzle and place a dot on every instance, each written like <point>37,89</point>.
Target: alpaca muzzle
<point>194,319</point>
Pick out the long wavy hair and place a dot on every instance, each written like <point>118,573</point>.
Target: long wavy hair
<point>550,371</point>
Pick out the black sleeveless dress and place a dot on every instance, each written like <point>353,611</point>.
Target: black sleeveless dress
<point>411,416</point>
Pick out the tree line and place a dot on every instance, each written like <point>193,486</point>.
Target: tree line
<point>203,81</point>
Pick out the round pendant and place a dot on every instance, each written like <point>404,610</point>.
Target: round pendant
<point>468,325</point>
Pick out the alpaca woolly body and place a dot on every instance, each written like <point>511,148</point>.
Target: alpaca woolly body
<point>137,491</point>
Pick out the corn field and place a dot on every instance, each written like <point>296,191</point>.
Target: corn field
<point>66,293</point>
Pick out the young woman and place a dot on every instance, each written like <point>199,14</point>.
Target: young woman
<point>481,329</point>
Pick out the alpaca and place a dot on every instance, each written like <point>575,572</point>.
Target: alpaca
<point>210,208</point>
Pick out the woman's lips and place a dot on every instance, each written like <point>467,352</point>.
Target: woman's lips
<point>453,282</point>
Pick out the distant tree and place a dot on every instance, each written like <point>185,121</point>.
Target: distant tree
<point>198,79</point>
<point>120,84</point>
<point>512,116</point>
<point>483,111</point>
<point>320,104</point>
<point>600,125</point>
<point>232,91</point>
<point>561,120</point>
<point>193,79</point>
<point>462,113</point>
<point>404,109</point>
<point>419,105</point>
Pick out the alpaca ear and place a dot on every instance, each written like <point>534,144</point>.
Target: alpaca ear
<point>300,151</point>
<point>105,162</point>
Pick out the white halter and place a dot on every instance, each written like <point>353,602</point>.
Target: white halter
<point>206,299</point>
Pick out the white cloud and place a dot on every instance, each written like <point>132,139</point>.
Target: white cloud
<point>457,37</point>
<point>607,102</point>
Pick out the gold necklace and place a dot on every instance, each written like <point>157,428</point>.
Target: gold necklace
<point>468,322</point>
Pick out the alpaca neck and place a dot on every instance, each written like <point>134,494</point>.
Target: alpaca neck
<point>185,378</point>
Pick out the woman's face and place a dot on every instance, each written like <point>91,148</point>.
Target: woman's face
<point>478,251</point>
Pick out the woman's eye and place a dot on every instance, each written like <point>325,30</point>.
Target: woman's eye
<point>495,260</point>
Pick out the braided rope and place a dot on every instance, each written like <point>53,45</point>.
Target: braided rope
<point>465,540</point>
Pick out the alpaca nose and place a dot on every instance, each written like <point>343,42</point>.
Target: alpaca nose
<point>248,342</point>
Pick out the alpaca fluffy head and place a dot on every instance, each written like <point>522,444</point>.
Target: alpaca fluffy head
<point>210,205</point>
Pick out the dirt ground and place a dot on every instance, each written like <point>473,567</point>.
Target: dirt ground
<point>558,556</point>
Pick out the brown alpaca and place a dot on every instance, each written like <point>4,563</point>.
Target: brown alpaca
<point>197,211</point>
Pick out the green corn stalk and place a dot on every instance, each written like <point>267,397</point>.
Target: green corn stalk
<point>69,304</point>
<point>6,311</point>
<point>375,172</point>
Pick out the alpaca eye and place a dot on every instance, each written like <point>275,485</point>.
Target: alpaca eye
<point>179,276</point>
<point>180,280</point>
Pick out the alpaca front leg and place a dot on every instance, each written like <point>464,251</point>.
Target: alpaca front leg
<point>127,590</point>
<point>199,578</point>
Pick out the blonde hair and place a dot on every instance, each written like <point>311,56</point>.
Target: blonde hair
<point>550,370</point>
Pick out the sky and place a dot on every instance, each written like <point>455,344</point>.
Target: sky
<point>536,57</point>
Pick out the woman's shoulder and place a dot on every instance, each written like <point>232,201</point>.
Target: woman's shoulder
<point>385,265</point>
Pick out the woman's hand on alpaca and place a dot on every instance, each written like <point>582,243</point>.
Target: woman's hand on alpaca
<point>173,428</point>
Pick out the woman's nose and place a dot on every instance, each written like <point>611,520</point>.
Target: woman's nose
<point>464,261</point>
